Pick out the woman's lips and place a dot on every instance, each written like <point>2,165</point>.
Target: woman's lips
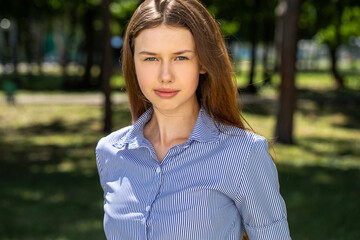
<point>166,92</point>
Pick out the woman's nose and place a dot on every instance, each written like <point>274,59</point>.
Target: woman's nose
<point>165,75</point>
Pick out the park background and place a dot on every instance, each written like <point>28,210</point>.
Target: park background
<point>61,58</point>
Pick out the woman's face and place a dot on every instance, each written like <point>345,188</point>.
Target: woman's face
<point>167,67</point>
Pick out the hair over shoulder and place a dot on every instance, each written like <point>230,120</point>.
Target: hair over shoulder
<point>217,88</point>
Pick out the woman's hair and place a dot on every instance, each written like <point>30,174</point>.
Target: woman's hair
<point>217,87</point>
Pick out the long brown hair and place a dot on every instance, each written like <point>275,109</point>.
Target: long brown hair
<point>217,87</point>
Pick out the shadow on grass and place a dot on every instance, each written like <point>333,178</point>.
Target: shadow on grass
<point>39,200</point>
<point>50,190</point>
<point>336,101</point>
<point>331,146</point>
<point>325,103</point>
<point>322,203</point>
<point>50,82</point>
<point>57,126</point>
<point>51,206</point>
<point>264,108</point>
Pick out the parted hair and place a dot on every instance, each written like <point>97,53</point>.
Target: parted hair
<point>217,89</point>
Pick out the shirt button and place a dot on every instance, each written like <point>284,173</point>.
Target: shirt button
<point>147,208</point>
<point>158,170</point>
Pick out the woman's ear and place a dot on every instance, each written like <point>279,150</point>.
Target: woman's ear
<point>202,70</point>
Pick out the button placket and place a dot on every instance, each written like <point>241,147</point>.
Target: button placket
<point>148,219</point>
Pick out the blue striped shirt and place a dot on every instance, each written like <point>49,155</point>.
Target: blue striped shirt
<point>219,183</point>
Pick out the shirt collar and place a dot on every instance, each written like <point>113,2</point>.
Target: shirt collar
<point>204,130</point>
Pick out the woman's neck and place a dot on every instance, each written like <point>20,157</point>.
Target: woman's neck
<point>168,129</point>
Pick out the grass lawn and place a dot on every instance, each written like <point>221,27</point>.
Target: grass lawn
<point>49,183</point>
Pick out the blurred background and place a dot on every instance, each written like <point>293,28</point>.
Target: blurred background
<point>297,65</point>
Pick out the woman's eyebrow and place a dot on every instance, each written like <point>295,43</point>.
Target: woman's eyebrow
<point>182,52</point>
<point>175,53</point>
<point>147,53</point>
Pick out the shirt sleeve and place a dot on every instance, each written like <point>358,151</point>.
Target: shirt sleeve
<point>99,162</point>
<point>259,202</point>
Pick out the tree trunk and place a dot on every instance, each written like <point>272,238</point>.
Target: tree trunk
<point>253,38</point>
<point>89,47</point>
<point>279,11</point>
<point>106,68</point>
<point>338,78</point>
<point>340,5</point>
<point>37,33</point>
<point>61,47</point>
<point>28,46</point>
<point>13,40</point>
<point>265,62</point>
<point>286,105</point>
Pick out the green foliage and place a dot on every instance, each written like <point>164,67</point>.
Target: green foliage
<point>213,10</point>
<point>307,20</point>
<point>229,28</point>
<point>94,2</point>
<point>55,4</point>
<point>350,22</point>
<point>122,9</point>
<point>235,17</point>
<point>340,32</point>
<point>331,22</point>
<point>328,35</point>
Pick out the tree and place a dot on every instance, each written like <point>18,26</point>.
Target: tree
<point>344,23</point>
<point>253,39</point>
<point>332,23</point>
<point>106,68</point>
<point>248,20</point>
<point>289,14</point>
<point>267,37</point>
<point>88,26</point>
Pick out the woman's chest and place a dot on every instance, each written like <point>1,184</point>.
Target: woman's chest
<point>191,192</point>
<point>163,206</point>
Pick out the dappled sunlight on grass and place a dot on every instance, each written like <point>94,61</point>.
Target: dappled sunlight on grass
<point>325,134</point>
<point>317,142</point>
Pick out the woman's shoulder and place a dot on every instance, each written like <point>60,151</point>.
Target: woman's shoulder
<point>242,142</point>
<point>240,135</point>
<point>114,138</point>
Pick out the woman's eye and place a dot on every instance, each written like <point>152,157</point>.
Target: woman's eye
<point>181,58</point>
<point>150,59</point>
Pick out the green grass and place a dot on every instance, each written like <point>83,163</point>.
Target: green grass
<point>314,80</point>
<point>49,183</point>
<point>320,141</point>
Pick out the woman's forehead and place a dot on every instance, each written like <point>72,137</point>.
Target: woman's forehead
<point>164,38</point>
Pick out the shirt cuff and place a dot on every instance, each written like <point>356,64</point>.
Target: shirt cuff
<point>276,231</point>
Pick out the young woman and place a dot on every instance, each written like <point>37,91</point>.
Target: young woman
<point>187,168</point>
